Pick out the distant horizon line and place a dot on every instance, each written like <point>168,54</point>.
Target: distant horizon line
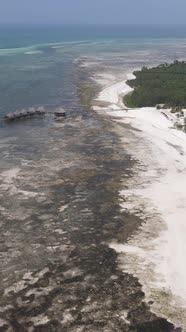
<point>94,24</point>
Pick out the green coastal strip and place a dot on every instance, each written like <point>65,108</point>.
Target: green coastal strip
<point>165,84</point>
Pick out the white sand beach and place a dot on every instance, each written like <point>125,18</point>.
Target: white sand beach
<point>157,194</point>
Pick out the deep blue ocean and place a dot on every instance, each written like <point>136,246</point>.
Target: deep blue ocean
<point>36,62</point>
<point>14,36</point>
<point>54,66</point>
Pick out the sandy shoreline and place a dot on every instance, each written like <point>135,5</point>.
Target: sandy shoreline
<point>157,194</point>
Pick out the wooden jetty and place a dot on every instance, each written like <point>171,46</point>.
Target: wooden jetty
<point>31,112</point>
<point>23,114</point>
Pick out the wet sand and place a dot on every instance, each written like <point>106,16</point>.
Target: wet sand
<point>156,194</point>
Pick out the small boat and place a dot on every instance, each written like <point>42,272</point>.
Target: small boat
<point>60,112</point>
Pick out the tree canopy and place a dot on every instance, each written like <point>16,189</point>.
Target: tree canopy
<point>165,84</point>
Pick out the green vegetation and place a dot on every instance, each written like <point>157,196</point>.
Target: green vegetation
<point>165,84</point>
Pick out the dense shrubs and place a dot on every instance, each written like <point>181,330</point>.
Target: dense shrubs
<point>165,84</point>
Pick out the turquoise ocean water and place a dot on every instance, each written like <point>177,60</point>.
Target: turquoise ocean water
<point>36,62</point>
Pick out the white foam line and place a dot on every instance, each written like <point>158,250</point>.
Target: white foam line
<point>156,254</point>
<point>111,94</point>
